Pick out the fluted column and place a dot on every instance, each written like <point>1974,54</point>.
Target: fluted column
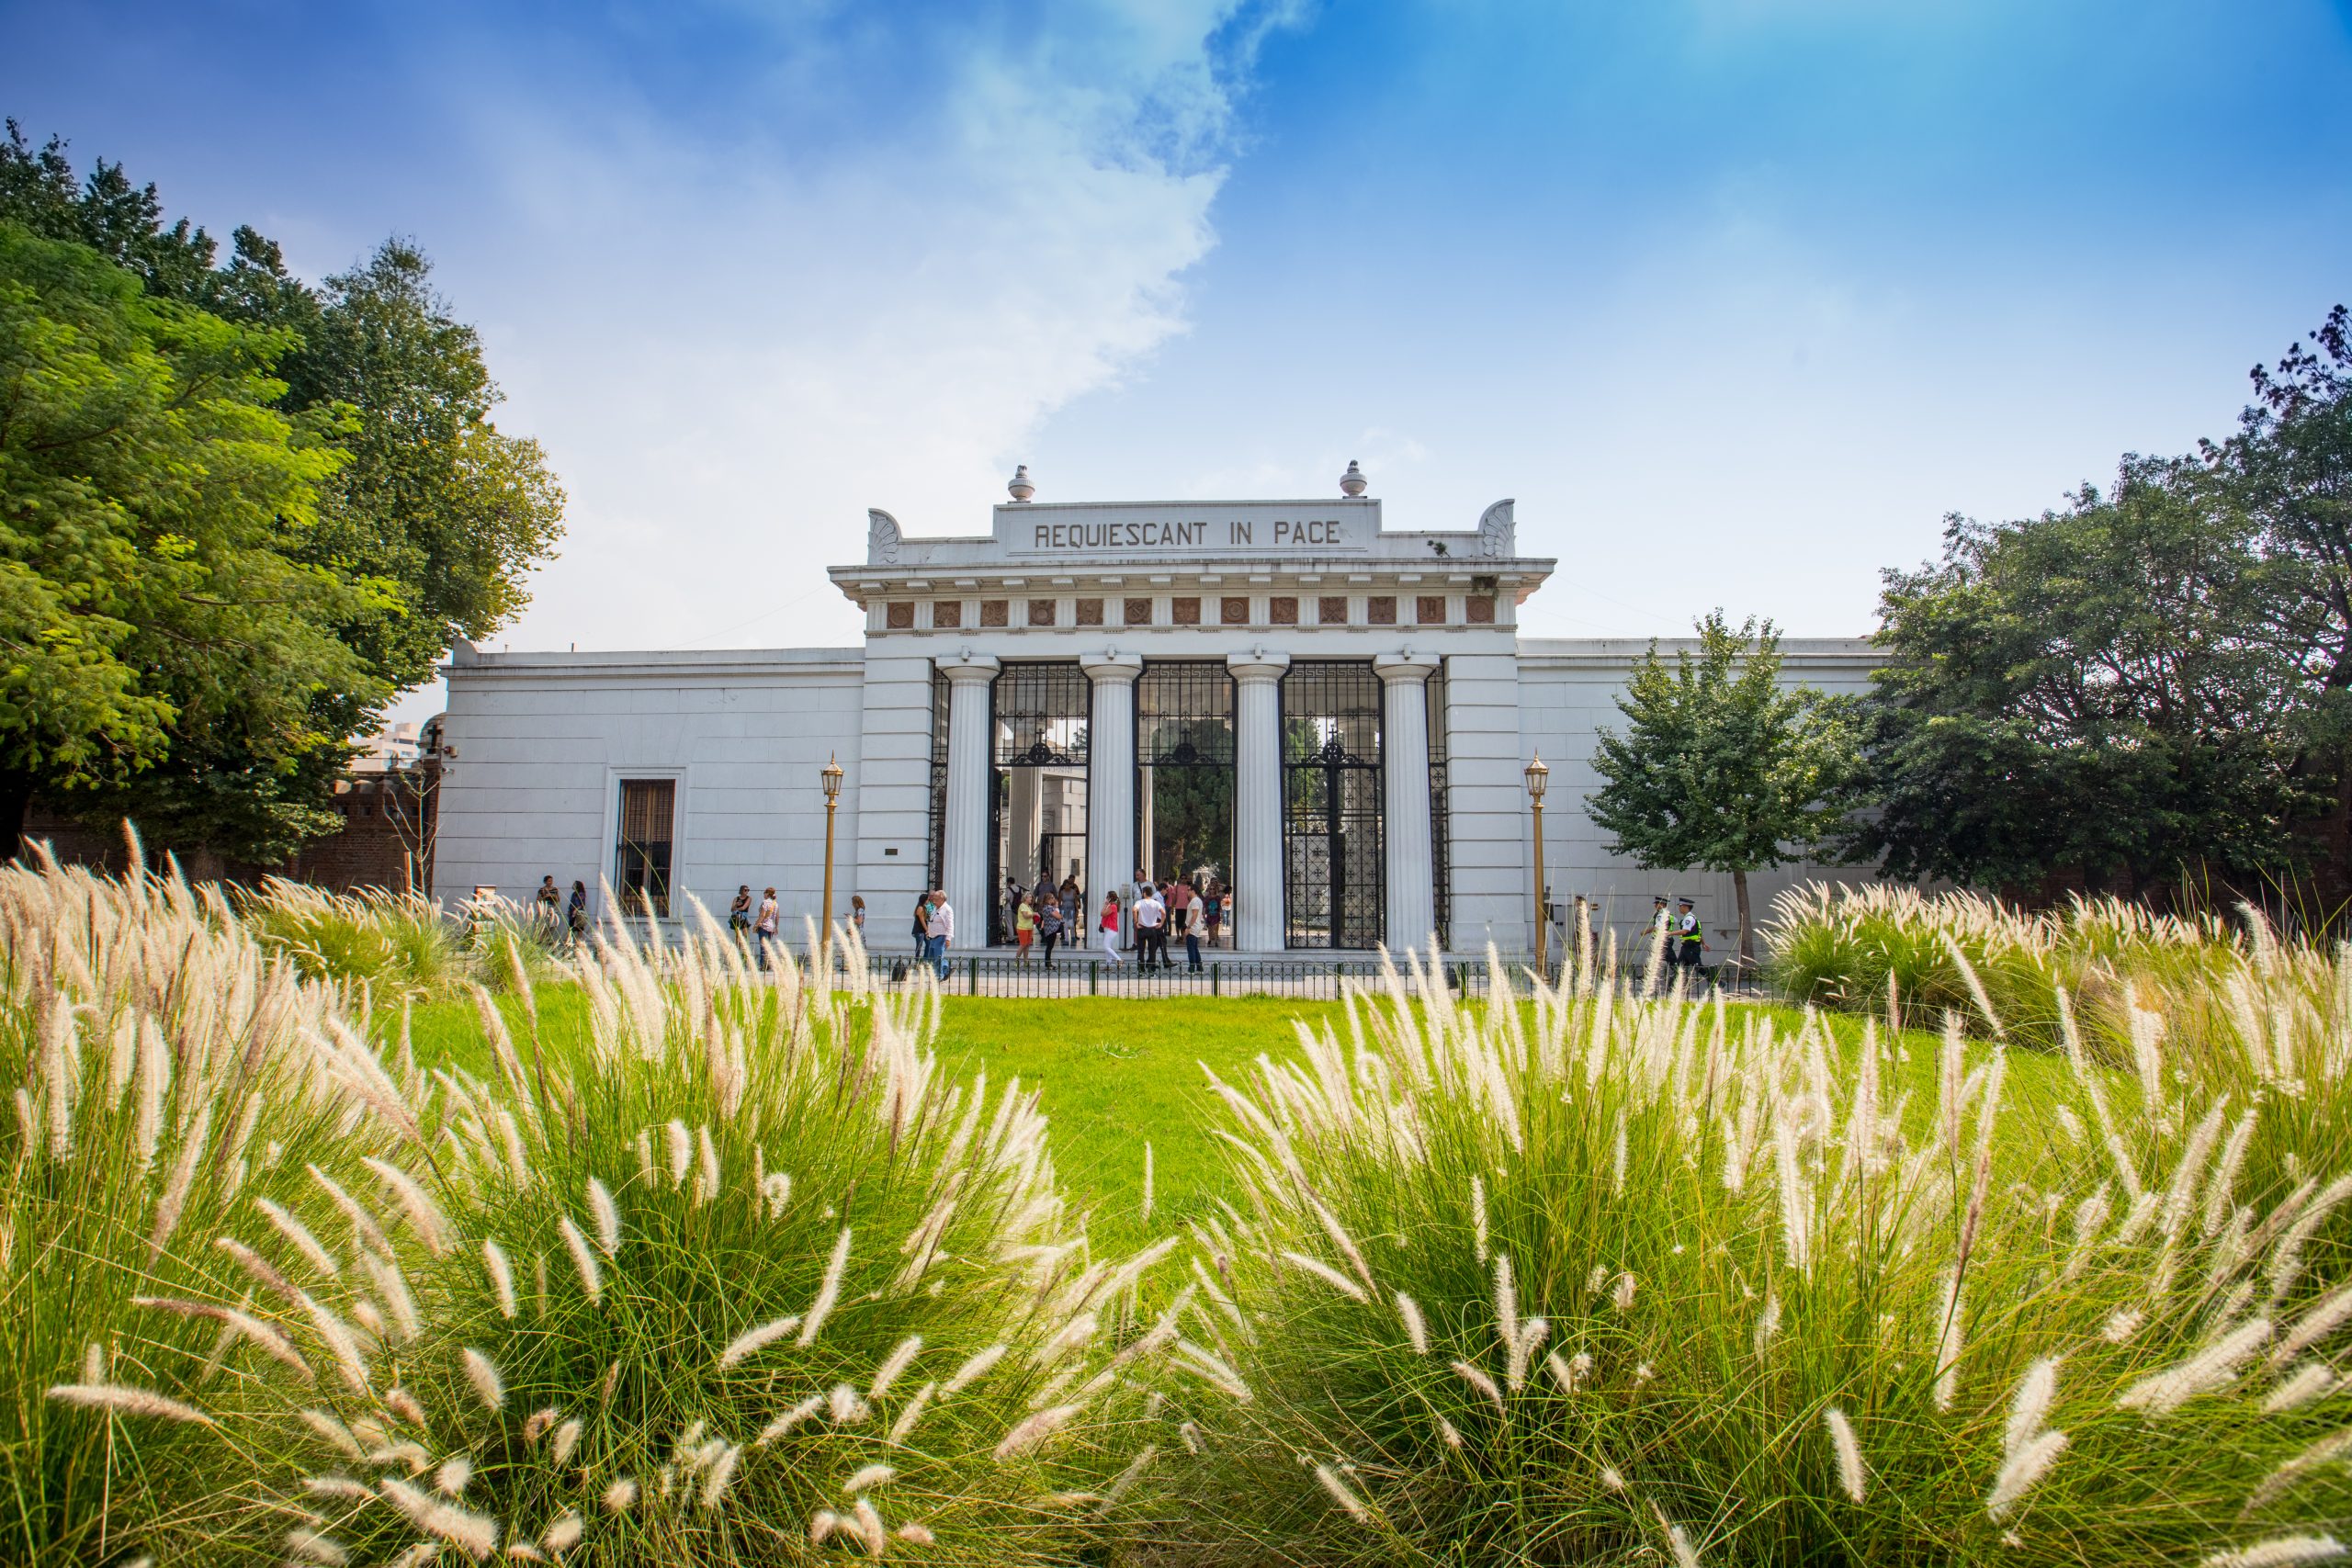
<point>1258,924</point>
<point>965,856</point>
<point>1405,825</point>
<point>1110,782</point>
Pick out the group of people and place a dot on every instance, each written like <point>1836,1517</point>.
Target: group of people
<point>1686,938</point>
<point>1042,917</point>
<point>1176,908</point>
<point>1045,917</point>
<point>567,916</point>
<point>761,925</point>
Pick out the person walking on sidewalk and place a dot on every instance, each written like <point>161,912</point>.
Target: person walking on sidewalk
<point>1049,925</point>
<point>1025,929</point>
<point>1691,938</point>
<point>1109,926</point>
<point>942,927</point>
<point>763,928</point>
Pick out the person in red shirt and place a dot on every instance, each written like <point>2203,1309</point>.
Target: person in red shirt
<point>1110,924</point>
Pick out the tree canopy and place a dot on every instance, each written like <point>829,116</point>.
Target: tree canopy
<point>149,489</point>
<point>2145,687</point>
<point>1721,766</point>
<point>419,504</point>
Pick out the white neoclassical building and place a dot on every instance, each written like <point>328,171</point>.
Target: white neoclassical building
<point>1326,716</point>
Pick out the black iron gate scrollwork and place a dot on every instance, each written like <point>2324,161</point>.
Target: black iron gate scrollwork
<point>1334,871</point>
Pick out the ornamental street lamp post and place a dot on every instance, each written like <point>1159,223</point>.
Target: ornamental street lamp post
<point>1538,776</point>
<point>833,777</point>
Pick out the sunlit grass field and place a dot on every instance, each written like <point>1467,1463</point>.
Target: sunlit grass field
<point>1117,1074</point>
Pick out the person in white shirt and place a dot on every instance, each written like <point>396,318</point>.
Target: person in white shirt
<point>1151,927</point>
<point>942,930</point>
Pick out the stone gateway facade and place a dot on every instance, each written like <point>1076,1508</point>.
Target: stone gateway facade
<point>1326,718</point>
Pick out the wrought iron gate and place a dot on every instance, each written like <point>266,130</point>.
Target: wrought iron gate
<point>1335,888</point>
<point>1185,768</point>
<point>1039,718</point>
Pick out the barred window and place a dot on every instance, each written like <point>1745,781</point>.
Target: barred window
<point>641,858</point>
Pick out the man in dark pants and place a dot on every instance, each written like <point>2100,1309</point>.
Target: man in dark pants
<point>1152,929</point>
<point>1690,937</point>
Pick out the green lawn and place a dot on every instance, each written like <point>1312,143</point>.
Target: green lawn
<point>1115,1074</point>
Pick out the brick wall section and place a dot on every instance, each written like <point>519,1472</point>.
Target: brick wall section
<point>380,815</point>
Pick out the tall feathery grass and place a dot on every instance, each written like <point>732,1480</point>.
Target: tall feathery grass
<point>1645,1279</point>
<point>741,1278</point>
<point>171,1085</point>
<point>1854,947</point>
<point>736,1281</point>
<point>390,944</point>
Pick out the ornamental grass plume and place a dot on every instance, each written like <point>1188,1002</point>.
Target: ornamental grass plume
<point>704,1352</point>
<point>174,1081</point>
<point>1840,1232</point>
<point>456,1315</point>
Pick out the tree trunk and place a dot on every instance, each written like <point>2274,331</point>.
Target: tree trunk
<point>15,796</point>
<point>1747,926</point>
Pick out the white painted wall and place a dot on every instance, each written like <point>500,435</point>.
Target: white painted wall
<point>1566,694</point>
<point>539,743</point>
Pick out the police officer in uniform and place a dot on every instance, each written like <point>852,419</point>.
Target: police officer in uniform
<point>1690,937</point>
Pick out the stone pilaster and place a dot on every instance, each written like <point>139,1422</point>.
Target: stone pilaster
<point>1405,825</point>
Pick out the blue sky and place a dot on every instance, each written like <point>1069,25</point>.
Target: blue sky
<point>1738,298</point>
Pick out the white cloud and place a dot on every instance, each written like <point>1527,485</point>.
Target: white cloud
<point>733,344</point>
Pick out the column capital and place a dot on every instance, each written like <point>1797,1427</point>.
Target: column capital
<point>1258,664</point>
<point>968,666</point>
<point>1406,665</point>
<point>1111,665</point>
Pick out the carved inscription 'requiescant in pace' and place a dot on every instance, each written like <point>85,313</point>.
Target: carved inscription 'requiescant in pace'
<point>1227,534</point>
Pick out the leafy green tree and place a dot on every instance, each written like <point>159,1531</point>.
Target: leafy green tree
<point>153,503</point>
<point>1721,766</point>
<point>2093,690</point>
<point>2286,475</point>
<point>442,513</point>
<point>2152,686</point>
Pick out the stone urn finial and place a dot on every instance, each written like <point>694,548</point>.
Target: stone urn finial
<point>1021,488</point>
<point>1353,482</point>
